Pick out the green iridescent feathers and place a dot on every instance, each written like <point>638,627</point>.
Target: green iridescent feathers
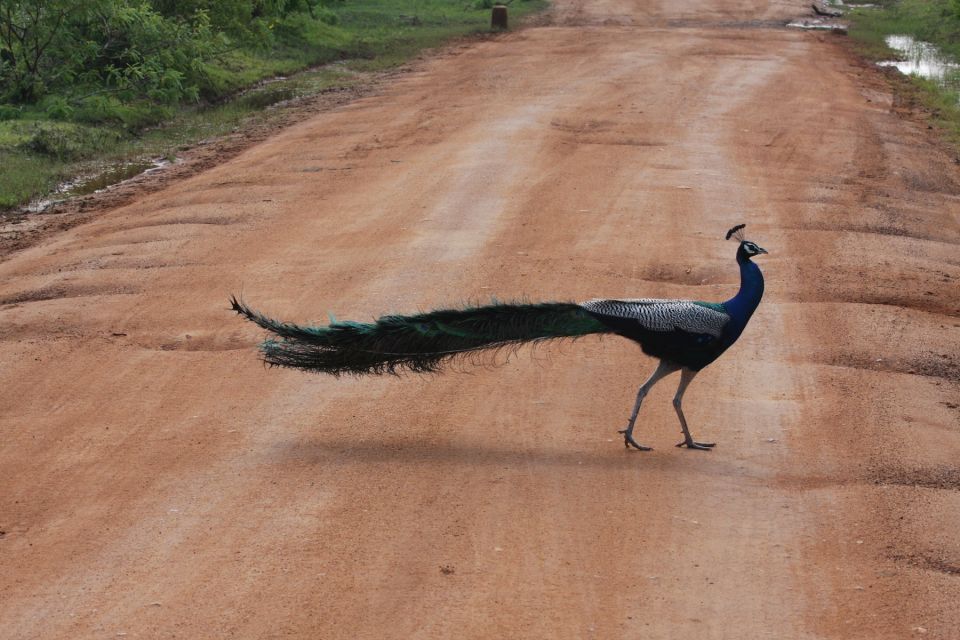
<point>420,343</point>
<point>716,306</point>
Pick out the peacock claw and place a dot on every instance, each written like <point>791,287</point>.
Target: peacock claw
<point>628,441</point>
<point>700,446</point>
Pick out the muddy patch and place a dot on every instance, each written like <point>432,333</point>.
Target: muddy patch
<point>119,263</point>
<point>725,24</point>
<point>943,366</point>
<point>926,300</point>
<point>219,221</point>
<point>621,142</point>
<point>884,219</point>
<point>56,292</point>
<point>946,478</point>
<point>678,274</point>
<point>581,127</point>
<point>928,562</point>
<point>97,181</point>
<point>895,230</point>
<point>930,182</point>
<point>601,132</point>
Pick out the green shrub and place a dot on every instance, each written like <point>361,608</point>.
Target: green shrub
<point>57,108</point>
<point>24,177</point>
<point>9,112</point>
<point>78,47</point>
<point>66,141</point>
<point>326,16</point>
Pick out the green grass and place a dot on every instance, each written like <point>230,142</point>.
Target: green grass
<point>934,21</point>
<point>943,105</point>
<point>40,146</point>
<point>36,154</point>
<point>25,176</point>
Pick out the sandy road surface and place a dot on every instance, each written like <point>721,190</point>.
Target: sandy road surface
<point>157,482</point>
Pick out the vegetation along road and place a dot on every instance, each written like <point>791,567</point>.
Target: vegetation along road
<point>159,482</point>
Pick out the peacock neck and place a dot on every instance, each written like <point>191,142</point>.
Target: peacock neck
<point>741,306</point>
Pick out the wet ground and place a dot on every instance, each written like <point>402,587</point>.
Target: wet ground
<point>924,60</point>
<point>96,181</point>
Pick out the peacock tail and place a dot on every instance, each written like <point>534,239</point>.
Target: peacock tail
<point>420,343</point>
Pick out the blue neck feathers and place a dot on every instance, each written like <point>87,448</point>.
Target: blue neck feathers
<point>741,306</point>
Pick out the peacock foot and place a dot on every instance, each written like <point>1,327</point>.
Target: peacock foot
<point>628,441</point>
<point>693,444</point>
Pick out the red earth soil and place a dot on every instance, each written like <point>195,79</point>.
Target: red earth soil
<point>159,482</point>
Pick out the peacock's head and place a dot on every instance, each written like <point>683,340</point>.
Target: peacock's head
<point>747,248</point>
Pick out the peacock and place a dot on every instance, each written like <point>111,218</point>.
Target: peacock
<point>685,335</point>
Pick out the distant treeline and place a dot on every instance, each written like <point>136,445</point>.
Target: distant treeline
<point>89,54</point>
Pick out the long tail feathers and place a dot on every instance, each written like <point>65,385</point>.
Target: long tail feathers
<point>421,343</point>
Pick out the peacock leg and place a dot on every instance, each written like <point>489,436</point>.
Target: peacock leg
<point>686,376</point>
<point>664,369</point>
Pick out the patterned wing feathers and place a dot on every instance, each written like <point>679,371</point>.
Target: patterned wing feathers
<point>663,315</point>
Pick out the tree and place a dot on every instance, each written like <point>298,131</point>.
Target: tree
<point>85,47</point>
<point>28,33</point>
<point>131,50</point>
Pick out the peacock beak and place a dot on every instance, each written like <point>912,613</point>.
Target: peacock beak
<point>761,250</point>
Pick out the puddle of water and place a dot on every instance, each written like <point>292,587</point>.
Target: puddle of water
<point>92,183</point>
<point>924,60</point>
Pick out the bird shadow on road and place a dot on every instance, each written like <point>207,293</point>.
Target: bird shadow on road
<point>609,456</point>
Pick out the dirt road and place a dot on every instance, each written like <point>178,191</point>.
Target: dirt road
<point>158,482</point>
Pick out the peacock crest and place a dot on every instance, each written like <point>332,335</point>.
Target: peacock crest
<point>736,233</point>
